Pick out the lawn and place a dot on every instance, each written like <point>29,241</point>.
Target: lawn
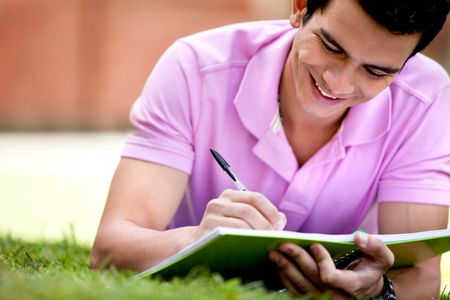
<point>60,270</point>
<point>53,186</point>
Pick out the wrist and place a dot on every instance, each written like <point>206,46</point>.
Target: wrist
<point>387,289</point>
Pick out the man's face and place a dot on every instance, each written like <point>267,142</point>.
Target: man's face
<point>341,57</point>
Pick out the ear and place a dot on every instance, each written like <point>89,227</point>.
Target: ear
<point>298,11</point>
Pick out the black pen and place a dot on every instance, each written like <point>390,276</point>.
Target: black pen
<point>343,261</point>
<point>226,167</point>
<point>340,263</point>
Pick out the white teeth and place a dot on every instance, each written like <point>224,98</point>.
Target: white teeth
<point>323,92</point>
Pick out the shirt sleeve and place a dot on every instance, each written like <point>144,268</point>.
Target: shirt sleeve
<point>162,115</point>
<point>420,170</point>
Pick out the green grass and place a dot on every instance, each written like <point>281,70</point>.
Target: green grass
<point>60,270</point>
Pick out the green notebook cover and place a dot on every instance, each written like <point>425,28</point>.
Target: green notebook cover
<point>243,253</point>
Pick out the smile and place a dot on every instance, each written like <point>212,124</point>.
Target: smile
<point>325,94</point>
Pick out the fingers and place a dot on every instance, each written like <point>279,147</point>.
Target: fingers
<point>348,281</point>
<point>291,276</point>
<point>364,277</point>
<point>251,207</point>
<point>303,261</point>
<point>375,249</point>
<point>212,221</point>
<point>287,283</point>
<point>220,209</point>
<point>328,272</point>
<point>260,203</point>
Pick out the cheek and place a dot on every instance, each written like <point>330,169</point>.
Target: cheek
<point>307,62</point>
<point>311,57</point>
<point>371,88</point>
<point>308,52</point>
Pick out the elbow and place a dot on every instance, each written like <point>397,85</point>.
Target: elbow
<point>96,259</point>
<point>100,257</point>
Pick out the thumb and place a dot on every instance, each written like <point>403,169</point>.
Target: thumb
<point>374,248</point>
<point>281,221</point>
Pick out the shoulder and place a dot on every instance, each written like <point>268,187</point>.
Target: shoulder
<point>421,79</point>
<point>233,45</point>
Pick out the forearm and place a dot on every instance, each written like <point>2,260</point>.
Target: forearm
<point>420,282</point>
<point>126,245</point>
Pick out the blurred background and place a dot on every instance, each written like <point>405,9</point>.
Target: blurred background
<point>69,72</point>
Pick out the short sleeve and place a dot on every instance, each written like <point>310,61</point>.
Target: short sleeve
<point>420,169</point>
<point>163,114</point>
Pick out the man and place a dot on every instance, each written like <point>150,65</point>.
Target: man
<point>323,118</point>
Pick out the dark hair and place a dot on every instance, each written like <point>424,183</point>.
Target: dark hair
<point>400,16</point>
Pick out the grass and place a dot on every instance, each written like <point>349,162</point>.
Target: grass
<point>60,270</point>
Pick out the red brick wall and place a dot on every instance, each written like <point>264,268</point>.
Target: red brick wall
<point>75,64</point>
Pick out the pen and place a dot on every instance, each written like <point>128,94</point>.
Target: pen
<point>340,263</point>
<point>226,167</point>
<point>343,261</point>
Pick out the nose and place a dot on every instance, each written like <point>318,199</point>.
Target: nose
<point>340,79</point>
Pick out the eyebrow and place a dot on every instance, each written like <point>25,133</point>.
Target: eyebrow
<point>331,40</point>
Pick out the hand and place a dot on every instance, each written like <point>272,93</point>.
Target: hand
<point>240,209</point>
<point>302,273</point>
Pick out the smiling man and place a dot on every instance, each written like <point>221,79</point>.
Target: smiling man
<point>332,120</point>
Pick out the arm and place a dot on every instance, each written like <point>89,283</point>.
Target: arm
<point>134,217</point>
<point>422,281</point>
<point>142,200</point>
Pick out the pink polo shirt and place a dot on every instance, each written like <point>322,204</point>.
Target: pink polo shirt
<point>219,89</point>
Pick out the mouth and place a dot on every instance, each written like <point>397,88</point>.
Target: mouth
<point>323,92</point>
<point>322,95</point>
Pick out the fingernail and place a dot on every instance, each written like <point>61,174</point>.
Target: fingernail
<point>363,238</point>
<point>281,222</point>
<point>314,248</point>
<point>274,257</point>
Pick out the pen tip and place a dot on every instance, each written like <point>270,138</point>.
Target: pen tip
<point>220,160</point>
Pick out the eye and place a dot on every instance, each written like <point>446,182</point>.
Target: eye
<point>374,73</point>
<point>330,48</point>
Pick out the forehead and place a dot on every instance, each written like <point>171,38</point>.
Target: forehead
<point>361,35</point>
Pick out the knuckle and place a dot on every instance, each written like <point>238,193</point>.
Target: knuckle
<point>390,258</point>
<point>228,193</point>
<point>260,201</point>
<point>299,282</point>
<point>309,269</point>
<point>327,278</point>
<point>353,291</point>
<point>353,288</point>
<point>244,210</point>
<point>214,205</point>
<point>296,256</point>
<point>209,222</point>
<point>256,198</point>
<point>283,263</point>
<point>266,226</point>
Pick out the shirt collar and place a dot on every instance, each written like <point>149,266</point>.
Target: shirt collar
<point>257,104</point>
<point>257,98</point>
